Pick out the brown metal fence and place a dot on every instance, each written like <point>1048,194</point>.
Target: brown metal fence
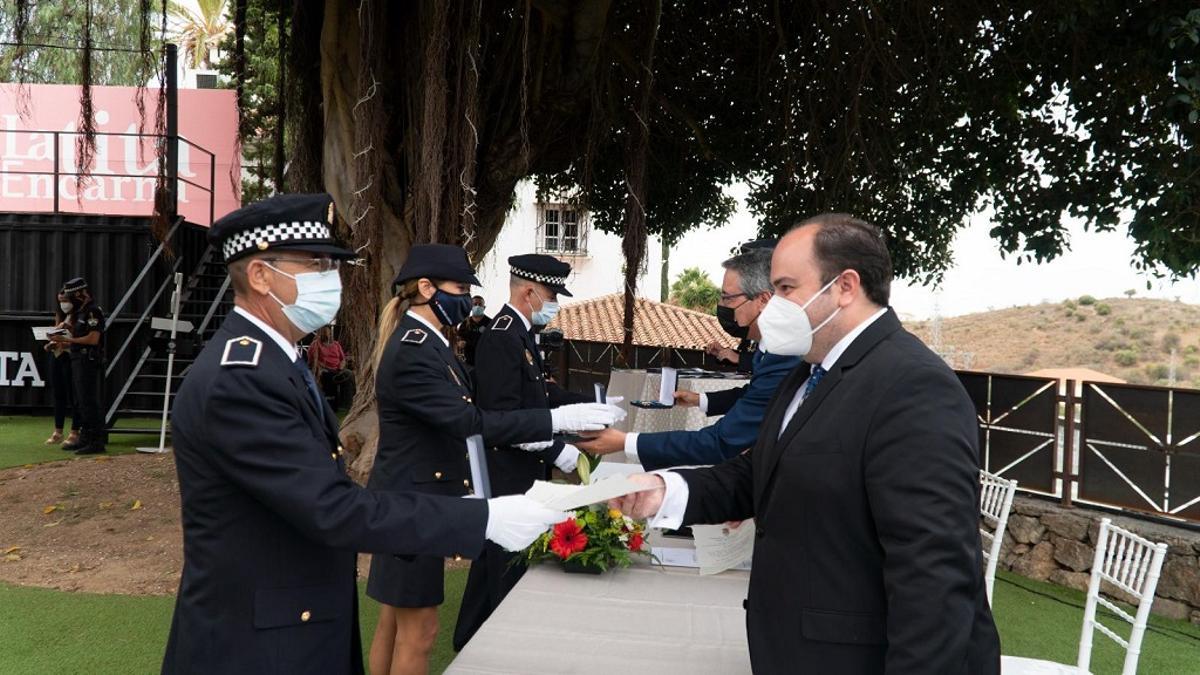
<point>1134,448</point>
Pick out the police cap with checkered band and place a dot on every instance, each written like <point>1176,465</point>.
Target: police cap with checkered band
<point>293,222</point>
<point>544,269</point>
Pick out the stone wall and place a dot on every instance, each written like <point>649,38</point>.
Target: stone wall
<point>1048,542</point>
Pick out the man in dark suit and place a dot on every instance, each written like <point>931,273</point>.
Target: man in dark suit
<point>864,483</point>
<point>510,375</point>
<point>271,522</point>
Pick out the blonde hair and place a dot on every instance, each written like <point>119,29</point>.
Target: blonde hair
<point>389,318</point>
<point>394,310</point>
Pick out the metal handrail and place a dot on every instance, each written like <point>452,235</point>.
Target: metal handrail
<point>112,363</point>
<point>212,308</point>
<point>58,171</point>
<point>142,274</point>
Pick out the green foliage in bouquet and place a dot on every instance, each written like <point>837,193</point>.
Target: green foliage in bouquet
<point>597,537</point>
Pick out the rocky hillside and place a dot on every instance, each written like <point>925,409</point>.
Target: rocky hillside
<point>1132,339</point>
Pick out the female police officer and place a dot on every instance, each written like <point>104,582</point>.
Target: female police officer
<point>426,413</point>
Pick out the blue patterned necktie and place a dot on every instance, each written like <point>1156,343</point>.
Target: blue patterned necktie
<point>814,378</point>
<point>312,385</point>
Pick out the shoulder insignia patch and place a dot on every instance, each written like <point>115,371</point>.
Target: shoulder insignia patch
<point>242,351</point>
<point>414,336</point>
<point>503,323</point>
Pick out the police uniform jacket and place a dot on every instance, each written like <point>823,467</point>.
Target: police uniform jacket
<point>271,522</point>
<point>509,376</point>
<point>427,411</point>
<point>89,318</point>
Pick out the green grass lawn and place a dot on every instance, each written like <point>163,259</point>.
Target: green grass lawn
<point>51,632</point>
<point>46,631</point>
<point>22,437</point>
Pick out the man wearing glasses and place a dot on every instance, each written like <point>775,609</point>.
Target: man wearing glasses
<point>745,290</point>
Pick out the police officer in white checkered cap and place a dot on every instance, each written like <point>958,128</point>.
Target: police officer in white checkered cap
<point>271,521</point>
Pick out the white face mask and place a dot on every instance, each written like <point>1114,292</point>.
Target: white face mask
<point>785,327</point>
<point>66,307</point>
<point>318,299</point>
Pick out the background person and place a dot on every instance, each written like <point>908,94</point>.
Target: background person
<point>472,327</point>
<point>328,361</point>
<point>62,384</point>
<point>745,291</point>
<point>85,342</point>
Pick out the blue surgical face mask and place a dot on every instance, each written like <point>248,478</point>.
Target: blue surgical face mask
<point>450,308</point>
<point>477,310</point>
<point>543,316</point>
<point>318,299</point>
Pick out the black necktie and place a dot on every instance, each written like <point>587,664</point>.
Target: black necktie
<point>312,385</point>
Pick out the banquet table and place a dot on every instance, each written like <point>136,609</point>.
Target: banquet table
<point>643,619</point>
<point>643,385</point>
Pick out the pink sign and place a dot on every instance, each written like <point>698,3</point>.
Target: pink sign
<point>38,152</point>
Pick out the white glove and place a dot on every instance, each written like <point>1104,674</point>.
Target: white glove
<point>567,459</point>
<point>585,416</point>
<point>516,520</point>
<point>534,447</point>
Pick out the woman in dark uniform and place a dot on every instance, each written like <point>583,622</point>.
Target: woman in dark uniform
<point>426,413</point>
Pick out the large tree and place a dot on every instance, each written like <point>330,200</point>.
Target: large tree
<point>421,117</point>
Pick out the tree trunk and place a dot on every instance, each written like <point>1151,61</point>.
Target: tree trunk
<point>423,141</point>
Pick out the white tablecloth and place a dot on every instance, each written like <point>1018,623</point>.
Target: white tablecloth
<point>641,385</point>
<point>638,620</point>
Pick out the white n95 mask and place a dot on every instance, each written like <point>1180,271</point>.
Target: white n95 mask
<point>785,327</point>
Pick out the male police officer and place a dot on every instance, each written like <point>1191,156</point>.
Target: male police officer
<point>509,376</point>
<point>271,522</point>
<point>86,339</point>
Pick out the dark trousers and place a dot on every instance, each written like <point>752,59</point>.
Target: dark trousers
<point>86,371</point>
<point>491,577</point>
<point>339,386</point>
<point>63,385</point>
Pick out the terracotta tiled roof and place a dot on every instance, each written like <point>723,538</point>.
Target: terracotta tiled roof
<point>655,324</point>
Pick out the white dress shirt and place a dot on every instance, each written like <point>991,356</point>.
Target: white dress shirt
<point>288,347</point>
<point>670,514</point>
<point>435,330</point>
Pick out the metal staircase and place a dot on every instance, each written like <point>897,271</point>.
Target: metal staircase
<point>205,301</point>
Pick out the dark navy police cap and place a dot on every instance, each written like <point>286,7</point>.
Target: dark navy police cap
<point>294,222</point>
<point>72,285</point>
<point>544,269</point>
<point>437,261</point>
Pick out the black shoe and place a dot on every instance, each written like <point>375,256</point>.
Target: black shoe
<point>72,447</point>
<point>91,449</point>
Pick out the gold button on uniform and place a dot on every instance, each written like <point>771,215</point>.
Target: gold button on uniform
<point>333,455</point>
<point>437,475</point>
<point>466,483</point>
<point>305,615</point>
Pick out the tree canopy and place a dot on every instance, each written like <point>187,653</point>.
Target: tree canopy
<point>694,289</point>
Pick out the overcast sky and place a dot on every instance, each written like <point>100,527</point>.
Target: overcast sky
<point>1098,264</point>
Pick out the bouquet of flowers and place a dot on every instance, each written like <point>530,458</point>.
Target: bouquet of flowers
<point>596,539</point>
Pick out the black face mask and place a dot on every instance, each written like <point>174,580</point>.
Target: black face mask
<point>450,308</point>
<point>729,324</point>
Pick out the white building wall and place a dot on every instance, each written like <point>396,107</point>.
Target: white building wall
<point>600,272</point>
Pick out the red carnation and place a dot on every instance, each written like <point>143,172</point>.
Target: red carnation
<point>568,538</point>
<point>635,541</point>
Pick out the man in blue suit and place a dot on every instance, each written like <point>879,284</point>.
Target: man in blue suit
<point>744,292</point>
